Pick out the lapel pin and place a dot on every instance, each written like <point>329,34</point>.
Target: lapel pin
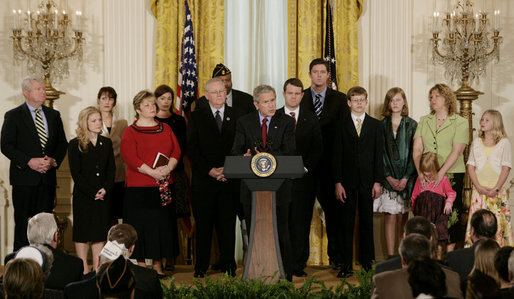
<point>276,127</point>
<point>228,118</point>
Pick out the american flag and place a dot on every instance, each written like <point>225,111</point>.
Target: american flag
<point>330,53</point>
<point>187,90</point>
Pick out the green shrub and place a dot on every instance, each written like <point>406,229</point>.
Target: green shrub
<point>234,287</point>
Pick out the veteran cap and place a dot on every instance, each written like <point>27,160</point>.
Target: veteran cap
<point>220,70</point>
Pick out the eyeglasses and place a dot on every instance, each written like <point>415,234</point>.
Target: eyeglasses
<point>218,92</point>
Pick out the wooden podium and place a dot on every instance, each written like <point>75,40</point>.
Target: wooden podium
<point>263,258</point>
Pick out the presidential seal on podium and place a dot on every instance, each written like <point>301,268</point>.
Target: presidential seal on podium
<point>263,164</point>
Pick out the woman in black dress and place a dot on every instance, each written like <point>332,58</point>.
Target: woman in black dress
<point>180,206</point>
<point>92,168</point>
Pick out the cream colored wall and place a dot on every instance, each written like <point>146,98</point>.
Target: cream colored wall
<point>396,51</point>
<point>118,52</point>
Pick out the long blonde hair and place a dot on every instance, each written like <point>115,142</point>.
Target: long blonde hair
<point>82,130</point>
<point>484,259</point>
<point>498,130</point>
<point>429,163</point>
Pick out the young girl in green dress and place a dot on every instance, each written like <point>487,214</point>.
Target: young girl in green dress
<point>488,166</point>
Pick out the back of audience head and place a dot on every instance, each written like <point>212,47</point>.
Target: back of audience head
<point>41,254</point>
<point>419,225</point>
<point>116,279</point>
<point>511,267</point>
<point>23,278</point>
<point>483,225</point>
<point>413,247</point>
<point>42,229</point>
<point>123,234</point>
<point>484,259</point>
<point>501,263</point>
<point>427,277</point>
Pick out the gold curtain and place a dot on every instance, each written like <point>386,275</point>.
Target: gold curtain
<point>208,24</point>
<point>306,27</point>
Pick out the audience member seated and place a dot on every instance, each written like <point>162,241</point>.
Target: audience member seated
<point>427,278</point>
<point>416,224</point>
<point>42,230</point>
<point>484,281</point>
<point>395,284</point>
<point>40,254</point>
<point>483,225</point>
<point>116,279</point>
<point>121,242</point>
<point>23,278</point>
<point>501,264</point>
<point>509,292</point>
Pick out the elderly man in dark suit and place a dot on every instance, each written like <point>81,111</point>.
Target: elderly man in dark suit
<point>483,225</point>
<point>210,136</point>
<point>395,284</point>
<point>240,102</point>
<point>42,230</point>
<point>33,139</point>
<point>329,106</point>
<point>309,145</point>
<point>268,131</point>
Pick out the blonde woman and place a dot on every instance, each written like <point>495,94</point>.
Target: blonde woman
<point>489,165</point>
<point>484,280</point>
<point>113,128</point>
<point>92,168</point>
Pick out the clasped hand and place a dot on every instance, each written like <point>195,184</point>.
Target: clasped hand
<point>41,165</point>
<point>217,173</point>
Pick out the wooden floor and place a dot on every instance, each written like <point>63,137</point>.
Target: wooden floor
<point>183,274</point>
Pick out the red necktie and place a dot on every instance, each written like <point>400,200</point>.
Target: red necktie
<point>293,116</point>
<point>264,131</point>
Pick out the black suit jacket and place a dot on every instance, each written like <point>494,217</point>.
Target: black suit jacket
<point>242,103</point>
<point>20,143</point>
<point>65,269</point>
<point>280,135</point>
<point>148,285</point>
<point>358,160</point>
<point>391,264</point>
<point>462,261</point>
<point>207,147</point>
<point>92,170</point>
<point>308,138</point>
<point>334,108</point>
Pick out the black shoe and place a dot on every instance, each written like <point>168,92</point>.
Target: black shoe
<point>289,277</point>
<point>345,273</point>
<point>299,273</point>
<point>199,274</point>
<point>336,265</point>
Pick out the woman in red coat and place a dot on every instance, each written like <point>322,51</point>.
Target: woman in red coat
<point>148,192</point>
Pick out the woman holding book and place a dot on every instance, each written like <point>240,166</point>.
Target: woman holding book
<point>149,183</point>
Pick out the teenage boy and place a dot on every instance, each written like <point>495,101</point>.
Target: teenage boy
<point>358,171</point>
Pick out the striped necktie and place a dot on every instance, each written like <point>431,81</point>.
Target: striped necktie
<point>359,126</point>
<point>318,107</point>
<point>40,127</point>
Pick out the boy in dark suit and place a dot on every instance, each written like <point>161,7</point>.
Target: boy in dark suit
<point>309,146</point>
<point>358,171</point>
<point>210,136</point>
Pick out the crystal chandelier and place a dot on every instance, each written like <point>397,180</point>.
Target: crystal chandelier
<point>467,44</point>
<point>47,39</point>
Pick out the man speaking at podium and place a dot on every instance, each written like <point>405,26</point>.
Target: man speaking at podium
<point>267,131</point>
